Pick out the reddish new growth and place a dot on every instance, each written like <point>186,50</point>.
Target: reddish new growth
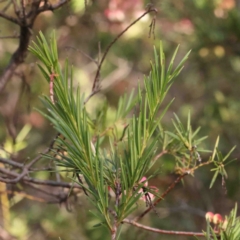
<point>51,85</point>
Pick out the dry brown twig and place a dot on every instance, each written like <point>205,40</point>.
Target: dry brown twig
<point>161,231</point>
<point>25,20</point>
<point>96,82</point>
<point>25,16</point>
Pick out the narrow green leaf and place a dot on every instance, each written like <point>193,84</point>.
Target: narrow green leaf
<point>214,178</point>
<point>215,149</point>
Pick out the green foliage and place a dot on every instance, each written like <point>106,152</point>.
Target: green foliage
<point>185,143</point>
<point>104,160</point>
<point>219,163</point>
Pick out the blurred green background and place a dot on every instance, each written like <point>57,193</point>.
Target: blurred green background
<point>208,86</point>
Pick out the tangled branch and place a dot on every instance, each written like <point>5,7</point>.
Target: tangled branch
<point>25,20</point>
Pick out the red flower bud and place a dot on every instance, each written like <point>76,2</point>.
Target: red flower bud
<point>209,216</point>
<point>217,218</point>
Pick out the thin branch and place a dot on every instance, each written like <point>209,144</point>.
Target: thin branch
<point>59,198</point>
<point>9,18</point>
<point>95,87</point>
<point>171,187</point>
<point>42,169</point>
<point>200,165</point>
<point>52,7</point>
<point>112,43</point>
<point>17,58</point>
<point>25,22</point>
<point>21,165</point>
<point>16,9</point>
<point>179,233</point>
<point>37,181</point>
<point>23,9</point>
<point>11,162</point>
<point>160,155</point>
<point>32,13</point>
<point>90,95</point>
<point>26,168</point>
<point>41,190</point>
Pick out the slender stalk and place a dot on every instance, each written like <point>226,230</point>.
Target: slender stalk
<point>96,85</point>
<point>161,231</point>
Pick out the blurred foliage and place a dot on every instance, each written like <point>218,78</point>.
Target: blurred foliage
<point>208,86</point>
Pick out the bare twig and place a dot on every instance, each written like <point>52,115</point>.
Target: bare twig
<point>41,190</point>
<point>11,162</point>
<point>9,18</point>
<point>95,87</point>
<point>52,7</point>
<point>26,22</point>
<point>23,9</point>
<point>17,58</point>
<point>90,95</point>
<point>21,165</point>
<point>160,155</point>
<point>16,9</point>
<point>36,181</point>
<point>161,231</point>
<point>26,168</point>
